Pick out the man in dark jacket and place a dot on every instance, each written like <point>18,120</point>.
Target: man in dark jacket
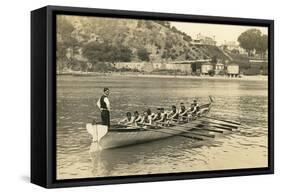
<point>104,106</point>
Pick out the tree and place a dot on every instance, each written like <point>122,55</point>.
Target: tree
<point>143,54</point>
<point>97,52</point>
<point>65,42</point>
<point>164,23</point>
<point>214,59</point>
<point>174,29</point>
<point>187,38</point>
<point>262,45</point>
<point>250,39</point>
<point>64,27</point>
<point>122,53</point>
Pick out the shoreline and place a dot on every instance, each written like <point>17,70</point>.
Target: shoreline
<point>130,74</point>
<point>246,78</point>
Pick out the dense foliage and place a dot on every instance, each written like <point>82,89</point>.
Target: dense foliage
<point>106,52</point>
<point>253,39</point>
<point>143,55</point>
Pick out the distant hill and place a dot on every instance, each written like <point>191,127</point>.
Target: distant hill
<point>92,39</point>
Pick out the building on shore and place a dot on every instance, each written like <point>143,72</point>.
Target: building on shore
<point>206,68</point>
<point>204,40</point>
<point>184,67</point>
<point>232,69</point>
<point>130,65</point>
<point>219,69</point>
<point>234,47</point>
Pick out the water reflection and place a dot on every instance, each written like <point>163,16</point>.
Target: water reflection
<point>244,101</point>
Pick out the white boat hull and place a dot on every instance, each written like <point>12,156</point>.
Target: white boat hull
<point>120,139</point>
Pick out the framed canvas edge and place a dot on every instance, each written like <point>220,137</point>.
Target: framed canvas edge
<point>51,181</point>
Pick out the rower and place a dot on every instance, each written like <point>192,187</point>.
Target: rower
<point>150,114</point>
<point>127,120</point>
<point>196,107</point>
<point>183,112</point>
<point>157,116</point>
<point>146,119</point>
<point>163,117</point>
<point>137,118</point>
<point>174,114</point>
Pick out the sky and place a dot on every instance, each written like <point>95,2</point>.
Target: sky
<point>221,32</point>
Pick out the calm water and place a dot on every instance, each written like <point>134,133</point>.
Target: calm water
<point>239,100</point>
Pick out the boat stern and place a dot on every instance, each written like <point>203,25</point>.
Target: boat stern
<point>97,131</point>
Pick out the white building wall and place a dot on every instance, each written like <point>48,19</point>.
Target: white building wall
<point>205,68</point>
<point>233,69</point>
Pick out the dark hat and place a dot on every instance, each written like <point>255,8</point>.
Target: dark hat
<point>105,89</point>
<point>194,102</point>
<point>173,106</point>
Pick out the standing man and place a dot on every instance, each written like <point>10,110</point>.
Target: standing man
<point>104,106</point>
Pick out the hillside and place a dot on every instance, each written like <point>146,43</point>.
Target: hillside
<point>92,40</point>
<point>214,51</point>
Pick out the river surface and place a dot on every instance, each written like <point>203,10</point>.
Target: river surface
<point>239,100</point>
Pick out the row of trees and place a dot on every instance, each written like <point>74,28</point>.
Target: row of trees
<point>253,40</point>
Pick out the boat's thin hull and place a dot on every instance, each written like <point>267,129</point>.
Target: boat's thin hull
<point>120,139</point>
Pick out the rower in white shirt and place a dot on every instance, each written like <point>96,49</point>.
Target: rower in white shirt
<point>128,120</point>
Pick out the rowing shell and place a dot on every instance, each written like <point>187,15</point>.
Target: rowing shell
<point>119,137</point>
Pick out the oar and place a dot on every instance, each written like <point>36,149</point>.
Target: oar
<point>204,129</point>
<point>227,121</point>
<point>201,134</point>
<point>211,130</point>
<point>180,135</point>
<point>226,128</point>
<point>189,132</point>
<point>226,125</point>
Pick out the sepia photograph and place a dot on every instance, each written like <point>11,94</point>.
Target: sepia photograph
<point>143,97</point>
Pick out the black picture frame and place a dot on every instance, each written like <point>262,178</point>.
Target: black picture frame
<point>43,96</point>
